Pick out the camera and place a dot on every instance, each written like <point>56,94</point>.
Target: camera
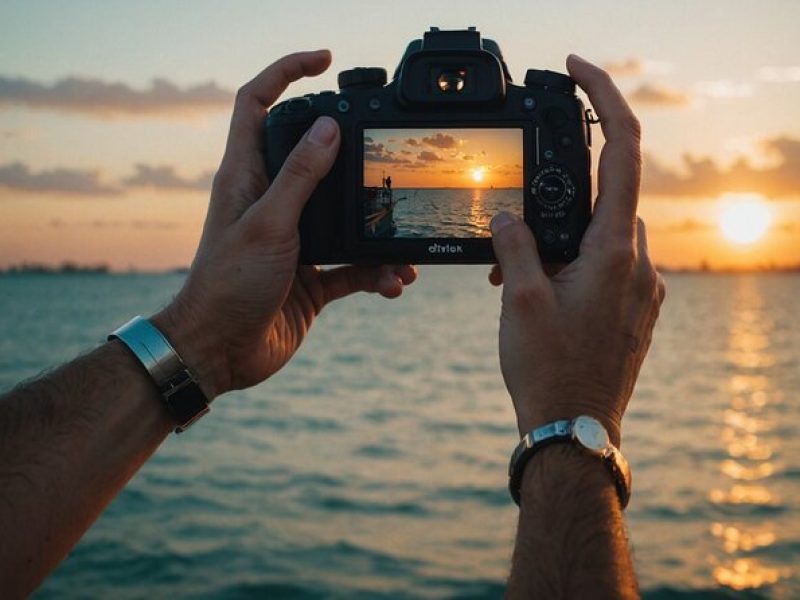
<point>427,159</point>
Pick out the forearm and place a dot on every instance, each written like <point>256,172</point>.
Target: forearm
<point>69,441</point>
<point>571,540</point>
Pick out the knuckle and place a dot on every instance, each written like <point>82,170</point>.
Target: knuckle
<point>661,288</point>
<point>525,295</point>
<point>633,126</point>
<point>621,256</point>
<point>243,94</point>
<point>648,282</point>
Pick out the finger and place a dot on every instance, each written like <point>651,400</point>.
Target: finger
<point>306,165</point>
<point>661,289</point>
<point>385,280</point>
<point>620,159</point>
<point>496,275</point>
<point>253,99</point>
<point>641,238</point>
<point>516,252</point>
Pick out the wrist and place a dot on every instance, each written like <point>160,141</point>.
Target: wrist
<point>558,468</point>
<point>197,347</point>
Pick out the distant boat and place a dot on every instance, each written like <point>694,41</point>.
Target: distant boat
<point>379,206</point>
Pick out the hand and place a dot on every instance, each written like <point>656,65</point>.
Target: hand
<point>573,344</point>
<point>246,306</point>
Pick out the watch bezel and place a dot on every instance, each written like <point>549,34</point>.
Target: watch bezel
<point>590,434</point>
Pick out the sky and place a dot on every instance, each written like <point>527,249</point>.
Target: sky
<point>444,158</point>
<point>113,115</point>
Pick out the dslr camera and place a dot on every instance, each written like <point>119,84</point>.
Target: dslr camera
<point>427,159</point>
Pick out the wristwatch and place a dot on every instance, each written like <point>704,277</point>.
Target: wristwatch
<point>178,387</point>
<point>584,431</point>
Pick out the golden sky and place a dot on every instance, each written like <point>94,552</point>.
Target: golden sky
<point>108,145</point>
<point>444,158</point>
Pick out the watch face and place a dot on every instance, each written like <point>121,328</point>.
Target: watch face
<point>590,433</point>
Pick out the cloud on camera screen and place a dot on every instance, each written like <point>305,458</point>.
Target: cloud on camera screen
<point>439,182</point>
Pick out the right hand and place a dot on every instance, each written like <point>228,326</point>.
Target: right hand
<point>573,344</point>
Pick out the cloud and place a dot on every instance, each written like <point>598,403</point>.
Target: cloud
<point>625,67</point>
<point>97,98</point>
<point>702,176</point>
<point>785,74</point>
<point>86,182</point>
<point>379,153</point>
<point>659,95</point>
<point>725,89</point>
<point>428,156</point>
<point>441,140</point>
<point>632,66</point>
<point>412,142</point>
<point>468,157</point>
<point>164,177</point>
<point>17,176</point>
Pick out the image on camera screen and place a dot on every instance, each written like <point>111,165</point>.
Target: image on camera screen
<point>439,182</point>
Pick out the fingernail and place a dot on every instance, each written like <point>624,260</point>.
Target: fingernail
<point>579,58</point>
<point>502,220</point>
<point>323,132</point>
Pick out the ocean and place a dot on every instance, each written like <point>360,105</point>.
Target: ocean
<point>374,465</point>
<point>461,213</point>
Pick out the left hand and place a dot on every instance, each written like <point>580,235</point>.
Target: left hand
<point>246,306</point>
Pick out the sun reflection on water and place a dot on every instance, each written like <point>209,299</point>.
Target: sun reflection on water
<point>748,466</point>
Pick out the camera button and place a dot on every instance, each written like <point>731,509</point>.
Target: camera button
<point>343,106</point>
<point>528,103</point>
<point>298,105</point>
<point>549,236</point>
<point>565,141</point>
<point>374,103</point>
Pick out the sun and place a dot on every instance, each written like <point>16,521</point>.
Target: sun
<point>477,174</point>
<point>744,220</point>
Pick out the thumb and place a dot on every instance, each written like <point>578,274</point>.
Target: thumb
<point>306,165</point>
<point>515,249</point>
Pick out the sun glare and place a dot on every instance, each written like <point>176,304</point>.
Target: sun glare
<point>477,174</point>
<point>744,220</point>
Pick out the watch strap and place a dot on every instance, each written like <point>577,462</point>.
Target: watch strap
<point>179,389</point>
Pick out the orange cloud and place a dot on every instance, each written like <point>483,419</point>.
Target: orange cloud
<point>659,95</point>
<point>704,177</point>
<point>625,67</point>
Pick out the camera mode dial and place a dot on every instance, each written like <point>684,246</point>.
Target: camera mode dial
<point>362,77</point>
<point>553,189</point>
<point>550,80</point>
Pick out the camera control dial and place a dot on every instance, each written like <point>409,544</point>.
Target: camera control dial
<point>549,80</point>
<point>362,77</point>
<point>553,189</point>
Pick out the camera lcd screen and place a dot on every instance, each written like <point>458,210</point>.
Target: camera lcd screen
<point>439,182</point>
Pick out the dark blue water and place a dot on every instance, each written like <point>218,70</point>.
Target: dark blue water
<point>374,465</point>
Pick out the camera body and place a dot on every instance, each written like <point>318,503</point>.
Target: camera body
<point>426,160</point>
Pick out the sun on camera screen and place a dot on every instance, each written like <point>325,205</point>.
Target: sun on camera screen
<point>439,182</point>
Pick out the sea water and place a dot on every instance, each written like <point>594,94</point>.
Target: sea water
<point>465,213</point>
<point>374,464</point>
